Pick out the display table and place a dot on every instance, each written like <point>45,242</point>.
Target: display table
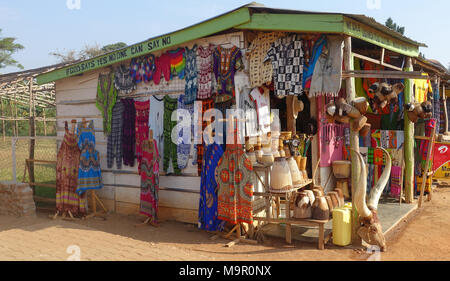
<point>290,195</point>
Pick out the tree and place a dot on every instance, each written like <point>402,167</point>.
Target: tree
<point>392,25</point>
<point>7,48</point>
<point>449,67</point>
<point>89,51</point>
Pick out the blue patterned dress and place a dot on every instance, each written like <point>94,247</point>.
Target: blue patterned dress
<point>207,211</point>
<point>191,70</point>
<point>89,173</point>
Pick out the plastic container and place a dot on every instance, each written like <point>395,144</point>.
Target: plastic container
<point>342,226</point>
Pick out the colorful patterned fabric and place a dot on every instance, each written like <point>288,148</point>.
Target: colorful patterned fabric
<point>114,145</point>
<point>286,55</point>
<point>423,149</point>
<point>67,164</point>
<point>225,64</point>
<point>234,176</point>
<point>141,123</point>
<point>123,80</point>
<point>89,172</point>
<point>315,54</point>
<point>191,73</point>
<point>206,105</point>
<point>207,210</point>
<point>205,76</point>
<point>177,62</point>
<point>436,106</point>
<point>396,175</point>
<point>129,132</point>
<point>170,148</point>
<point>142,69</point>
<point>327,76</point>
<point>106,99</point>
<point>149,171</point>
<point>162,68</point>
<point>260,71</point>
<point>184,141</point>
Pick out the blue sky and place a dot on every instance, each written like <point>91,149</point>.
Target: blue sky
<point>48,25</point>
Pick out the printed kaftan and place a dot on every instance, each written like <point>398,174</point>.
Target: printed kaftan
<point>207,211</point>
<point>142,130</point>
<point>234,176</point>
<point>89,172</point>
<point>149,171</point>
<point>68,160</point>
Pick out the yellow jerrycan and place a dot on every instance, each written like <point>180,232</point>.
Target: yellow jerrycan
<point>342,226</point>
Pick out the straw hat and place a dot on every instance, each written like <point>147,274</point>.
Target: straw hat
<point>297,106</point>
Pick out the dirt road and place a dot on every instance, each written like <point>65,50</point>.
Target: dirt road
<point>424,237</point>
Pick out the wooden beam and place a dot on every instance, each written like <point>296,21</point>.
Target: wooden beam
<point>384,74</point>
<point>409,139</point>
<point>354,136</point>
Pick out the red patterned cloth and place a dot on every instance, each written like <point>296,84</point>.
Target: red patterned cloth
<point>149,179</point>
<point>206,105</point>
<point>234,176</point>
<point>67,164</point>
<point>142,130</point>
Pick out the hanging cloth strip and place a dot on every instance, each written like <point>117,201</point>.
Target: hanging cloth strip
<point>106,99</point>
<point>129,132</point>
<point>149,172</point>
<point>123,81</point>
<point>207,210</point>
<point>327,76</point>
<point>191,73</point>
<point>315,54</point>
<point>114,145</point>
<point>89,172</point>
<point>170,148</point>
<point>142,130</point>
<point>67,165</point>
<point>234,176</point>
<point>184,141</point>
<point>205,76</point>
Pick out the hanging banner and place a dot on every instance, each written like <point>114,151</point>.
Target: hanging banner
<point>441,155</point>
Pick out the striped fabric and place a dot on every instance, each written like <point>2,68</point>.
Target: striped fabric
<point>114,145</point>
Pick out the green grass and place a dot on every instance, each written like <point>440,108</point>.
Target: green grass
<point>45,149</point>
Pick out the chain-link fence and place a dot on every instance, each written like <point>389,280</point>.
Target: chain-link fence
<point>33,160</point>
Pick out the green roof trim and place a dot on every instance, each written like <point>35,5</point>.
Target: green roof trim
<point>295,22</point>
<point>252,17</point>
<point>200,30</point>
<point>369,34</point>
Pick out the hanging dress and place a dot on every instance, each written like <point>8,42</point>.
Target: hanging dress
<point>225,64</point>
<point>149,171</point>
<point>191,72</point>
<point>207,211</point>
<point>106,99</point>
<point>129,132</point>
<point>123,81</point>
<point>68,161</point>
<point>89,173</point>
<point>205,76</point>
<point>184,141</point>
<point>234,176</point>
<point>142,130</point>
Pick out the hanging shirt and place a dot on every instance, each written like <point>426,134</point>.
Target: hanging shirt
<point>286,55</point>
<point>421,89</point>
<point>262,101</point>
<point>156,122</point>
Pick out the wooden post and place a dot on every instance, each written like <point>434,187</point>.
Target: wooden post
<point>45,122</point>
<point>291,121</point>
<point>354,136</point>
<point>427,165</point>
<point>32,133</point>
<point>16,125</point>
<point>409,140</point>
<point>12,125</point>
<point>3,121</point>
<point>445,107</point>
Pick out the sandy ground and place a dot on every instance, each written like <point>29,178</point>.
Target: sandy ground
<point>423,237</point>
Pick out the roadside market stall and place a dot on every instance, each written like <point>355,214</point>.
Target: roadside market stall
<point>127,104</point>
